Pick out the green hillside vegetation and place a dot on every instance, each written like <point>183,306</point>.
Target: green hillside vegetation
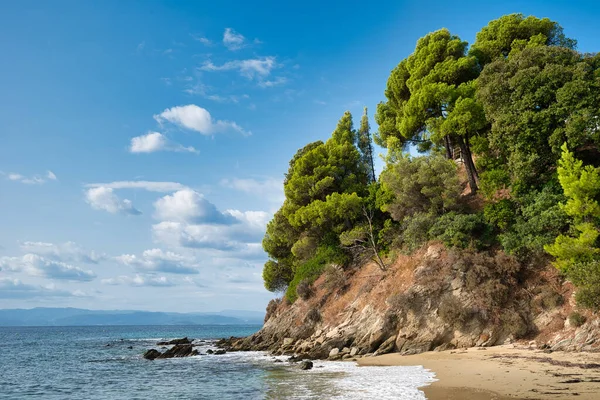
<point>509,132</point>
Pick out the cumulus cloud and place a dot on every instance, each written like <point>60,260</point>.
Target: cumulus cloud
<point>151,186</point>
<point>16,289</point>
<point>155,141</point>
<point>31,180</point>
<point>255,68</point>
<point>35,265</point>
<point>243,237</point>
<point>197,119</point>
<point>139,280</point>
<point>270,189</point>
<point>187,205</point>
<point>66,252</point>
<point>233,40</point>
<point>157,260</point>
<point>103,198</point>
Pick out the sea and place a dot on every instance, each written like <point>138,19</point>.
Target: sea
<point>105,362</point>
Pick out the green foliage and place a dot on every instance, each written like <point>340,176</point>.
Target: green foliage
<point>500,214</point>
<point>537,222</point>
<point>276,275</point>
<point>415,231</point>
<point>420,184</point>
<point>365,144</point>
<point>493,180</point>
<point>304,290</point>
<point>461,230</point>
<point>581,186</point>
<point>535,100</point>
<point>511,33</point>
<point>310,270</point>
<point>576,319</point>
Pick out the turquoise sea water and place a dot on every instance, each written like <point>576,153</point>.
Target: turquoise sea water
<point>105,362</point>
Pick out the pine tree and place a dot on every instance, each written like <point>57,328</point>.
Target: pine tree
<point>366,146</point>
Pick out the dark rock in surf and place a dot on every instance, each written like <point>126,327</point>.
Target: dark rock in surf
<point>179,350</point>
<point>184,340</point>
<point>306,365</point>
<point>152,354</point>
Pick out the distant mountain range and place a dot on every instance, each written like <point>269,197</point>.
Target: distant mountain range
<point>80,317</point>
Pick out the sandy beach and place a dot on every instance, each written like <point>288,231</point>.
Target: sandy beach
<point>504,372</point>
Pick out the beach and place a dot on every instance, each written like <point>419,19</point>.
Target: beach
<point>503,372</point>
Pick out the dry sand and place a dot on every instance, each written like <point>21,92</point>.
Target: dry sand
<point>504,372</point>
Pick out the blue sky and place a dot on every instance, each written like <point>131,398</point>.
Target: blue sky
<point>144,143</point>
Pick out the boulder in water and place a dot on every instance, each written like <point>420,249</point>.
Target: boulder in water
<point>306,364</point>
<point>184,340</point>
<point>152,354</point>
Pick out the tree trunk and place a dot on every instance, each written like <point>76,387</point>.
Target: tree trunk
<point>469,164</point>
<point>448,146</point>
<point>468,143</point>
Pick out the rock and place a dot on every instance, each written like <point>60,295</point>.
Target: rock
<point>130,347</point>
<point>209,351</point>
<point>387,346</point>
<point>179,350</point>
<point>444,347</point>
<point>277,360</point>
<point>287,341</point>
<point>334,352</point>
<point>345,350</point>
<point>306,364</point>
<point>354,351</point>
<point>184,340</point>
<point>220,352</point>
<point>347,357</point>
<point>152,354</point>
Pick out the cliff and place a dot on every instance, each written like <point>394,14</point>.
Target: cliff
<point>436,299</point>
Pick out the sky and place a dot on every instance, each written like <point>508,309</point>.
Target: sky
<point>144,143</point>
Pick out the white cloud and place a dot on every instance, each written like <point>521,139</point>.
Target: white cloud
<point>35,265</point>
<point>187,205</point>
<point>157,260</point>
<point>151,186</point>
<point>16,289</point>
<point>66,252</point>
<point>155,141</point>
<point>275,82</point>
<point>251,68</point>
<point>205,41</point>
<point>270,189</point>
<point>242,237</point>
<point>32,180</point>
<point>139,280</point>
<point>197,119</point>
<point>103,198</point>
<point>233,40</point>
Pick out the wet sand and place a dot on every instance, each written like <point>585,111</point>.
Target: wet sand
<point>504,372</point>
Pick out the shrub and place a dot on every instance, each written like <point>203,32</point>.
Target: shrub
<point>588,297</point>
<point>452,311</point>
<point>420,185</point>
<point>500,214</point>
<point>493,180</point>
<point>416,228</point>
<point>461,230</point>
<point>304,290</point>
<point>335,278</point>
<point>313,316</point>
<point>271,308</point>
<point>576,319</point>
<point>312,269</point>
<point>514,324</point>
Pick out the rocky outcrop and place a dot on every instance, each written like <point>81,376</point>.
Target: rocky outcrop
<point>178,350</point>
<point>184,340</point>
<point>434,300</point>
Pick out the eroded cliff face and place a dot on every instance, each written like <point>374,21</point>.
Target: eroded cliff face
<point>434,300</point>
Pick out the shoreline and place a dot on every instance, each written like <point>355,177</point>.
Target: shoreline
<point>503,372</point>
